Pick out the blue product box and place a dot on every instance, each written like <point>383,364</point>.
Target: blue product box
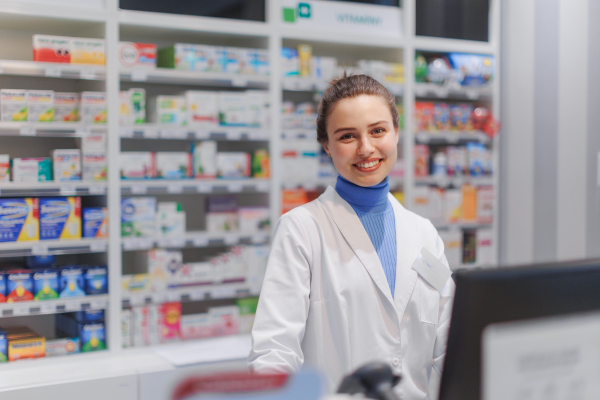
<point>2,287</point>
<point>96,280</point>
<point>3,346</point>
<point>476,156</point>
<point>46,284</point>
<point>19,285</point>
<point>19,220</point>
<point>89,316</point>
<point>91,334</point>
<point>60,218</point>
<point>72,281</point>
<point>95,222</point>
<point>40,261</point>
<point>472,69</point>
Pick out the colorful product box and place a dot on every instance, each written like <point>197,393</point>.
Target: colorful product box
<point>476,156</point>
<point>233,165</point>
<point>89,316</point>
<point>232,109</point>
<point>19,285</point>
<point>46,284</point>
<point>96,280</point>
<point>30,346</point>
<point>441,117</point>
<point>461,117</point>
<point>93,107</point>
<point>247,308</point>
<point>94,165</point>
<point>126,328</point>
<point>4,168</point>
<point>205,159</point>
<point>19,220</point>
<point>290,63</point>
<point>256,62</point>
<point>173,164</point>
<point>66,164</point>
<point>254,219</point>
<point>95,222</point>
<point>171,219</point>
<point>222,213</point>
<point>135,283</point>
<point>171,110</point>
<point>137,55</point>
<point>138,217</point>
<point>137,165</point>
<point>125,111</point>
<point>51,49</point>
<point>421,160</point>
<point>170,321</point>
<point>202,108</point>
<point>31,170</point>
<point>62,347</point>
<point>66,107</point>
<point>72,282</point>
<point>197,326</point>
<point>92,336</point>
<point>3,287</point>
<point>191,57</point>
<point>260,164</point>
<point>452,205</point>
<point>40,105</point>
<point>3,346</point>
<point>40,262</point>
<point>424,119</point>
<point>87,51</point>
<point>226,320</point>
<point>138,105</point>
<point>60,218</point>
<point>13,105</point>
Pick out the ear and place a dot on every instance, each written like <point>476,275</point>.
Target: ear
<point>326,147</point>
<point>397,135</point>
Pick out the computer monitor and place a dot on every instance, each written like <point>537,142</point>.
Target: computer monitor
<point>485,297</point>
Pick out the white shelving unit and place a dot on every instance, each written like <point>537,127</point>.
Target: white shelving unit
<point>113,25</point>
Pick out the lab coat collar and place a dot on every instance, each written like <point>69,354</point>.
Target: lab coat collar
<point>353,231</point>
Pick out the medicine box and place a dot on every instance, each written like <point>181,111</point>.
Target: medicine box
<point>60,218</point>
<point>96,280</point>
<point>171,110</point>
<point>31,170</point>
<point>170,321</point>
<point>202,108</point>
<point>36,262</point>
<point>247,309</point>
<point>222,213</point>
<point>233,165</point>
<point>154,326</point>
<point>171,220</point>
<point>138,217</point>
<point>19,285</point>
<point>135,283</point>
<point>89,316</point>
<point>164,266</point>
<point>72,281</point>
<point>40,105</point>
<point>13,105</point>
<point>2,287</point>
<point>95,222</point>
<point>254,219</point>
<point>55,49</point>
<point>290,63</point>
<point>256,61</point>
<point>4,168</point>
<point>138,105</point>
<point>23,343</point>
<point>19,219</point>
<point>173,164</point>
<point>66,164</point>
<point>485,204</point>
<point>87,51</point>
<point>205,159</point>
<point>92,336</point>
<point>126,327</point>
<point>225,320</point>
<point>452,205</point>
<point>46,284</point>
<point>232,108</point>
<point>66,107</point>
<point>197,326</point>
<point>3,346</point>
<point>137,165</point>
<point>93,107</point>
<point>62,347</point>
<point>139,322</point>
<point>191,57</point>
<point>257,108</point>
<point>93,165</point>
<point>137,55</point>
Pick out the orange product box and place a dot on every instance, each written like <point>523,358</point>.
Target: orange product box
<point>421,160</point>
<point>292,198</point>
<point>23,343</point>
<point>424,116</point>
<point>469,203</point>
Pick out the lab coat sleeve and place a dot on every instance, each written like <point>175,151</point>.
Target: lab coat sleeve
<point>446,300</point>
<point>283,306</point>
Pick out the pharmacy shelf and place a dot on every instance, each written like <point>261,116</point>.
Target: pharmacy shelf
<point>73,188</point>
<point>28,13</point>
<point>299,134</point>
<point>298,84</point>
<point>46,247</point>
<point>455,91</point>
<point>160,131</point>
<point>230,290</point>
<point>24,308</point>
<point>462,225</point>
<point>179,77</point>
<point>194,186</point>
<point>49,129</point>
<point>52,70</point>
<point>451,137</point>
<point>196,239</point>
<point>456,181</point>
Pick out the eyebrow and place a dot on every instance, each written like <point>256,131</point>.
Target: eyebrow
<point>368,126</point>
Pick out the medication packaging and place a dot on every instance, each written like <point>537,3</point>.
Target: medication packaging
<point>138,217</point>
<point>96,280</point>
<point>173,164</point>
<point>232,109</point>
<point>95,222</point>
<point>485,204</point>
<point>4,168</point>
<point>13,105</point>
<point>257,108</point>
<point>62,347</point>
<point>87,51</point>
<point>225,320</point>
<point>126,327</point>
<point>138,105</point>
<point>3,346</point>
<point>247,308</point>
<point>19,219</point>
<point>233,165</point>
<point>191,57</point>
<point>40,105</point>
<point>66,164</point>
<point>19,285</point>
<point>72,282</point>
<point>46,284</point>
<point>452,205</point>
<point>137,55</point>
<point>2,287</point>
<point>202,108</point>
<point>55,49</point>
<point>254,219</point>
<point>60,218</point>
<point>137,165</point>
<point>205,159</point>
<point>23,343</point>
<point>222,214</point>
<point>171,110</point>
<point>171,219</point>
<point>93,107</point>
<point>94,165</point>
<point>31,170</point>
<point>66,107</point>
<point>170,321</point>
<point>197,326</point>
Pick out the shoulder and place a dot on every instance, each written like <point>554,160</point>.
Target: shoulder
<point>304,216</point>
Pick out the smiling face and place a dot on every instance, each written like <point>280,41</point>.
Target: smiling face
<point>362,140</point>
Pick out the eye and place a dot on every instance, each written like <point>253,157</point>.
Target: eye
<point>378,131</point>
<point>346,136</point>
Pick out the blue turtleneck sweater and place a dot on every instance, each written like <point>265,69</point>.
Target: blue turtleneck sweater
<point>375,211</point>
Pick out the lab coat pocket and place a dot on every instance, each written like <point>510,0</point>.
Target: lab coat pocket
<point>430,303</point>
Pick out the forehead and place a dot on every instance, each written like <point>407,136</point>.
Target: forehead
<point>360,109</point>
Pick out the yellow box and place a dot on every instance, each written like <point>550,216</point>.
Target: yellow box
<point>87,51</point>
<point>23,343</point>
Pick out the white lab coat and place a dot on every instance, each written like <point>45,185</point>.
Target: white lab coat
<point>325,300</point>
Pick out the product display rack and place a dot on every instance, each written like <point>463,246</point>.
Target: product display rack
<point>113,25</point>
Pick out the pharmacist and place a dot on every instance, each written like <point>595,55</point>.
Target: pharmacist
<point>353,276</point>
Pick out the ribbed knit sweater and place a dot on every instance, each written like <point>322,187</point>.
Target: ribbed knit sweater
<point>375,212</point>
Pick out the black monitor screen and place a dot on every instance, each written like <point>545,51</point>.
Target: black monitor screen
<point>253,10</point>
<point>453,19</point>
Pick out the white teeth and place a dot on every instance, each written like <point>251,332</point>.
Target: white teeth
<point>368,165</point>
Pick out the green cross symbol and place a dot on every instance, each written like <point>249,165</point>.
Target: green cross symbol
<point>303,10</point>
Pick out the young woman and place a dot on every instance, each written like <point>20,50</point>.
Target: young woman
<point>353,276</point>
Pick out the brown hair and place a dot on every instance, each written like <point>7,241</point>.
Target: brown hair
<point>346,87</point>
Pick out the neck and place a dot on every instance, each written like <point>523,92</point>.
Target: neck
<point>364,199</point>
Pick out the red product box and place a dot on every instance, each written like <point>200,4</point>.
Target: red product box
<point>424,113</point>
<point>137,55</point>
<point>421,160</point>
<point>52,49</point>
<point>170,321</point>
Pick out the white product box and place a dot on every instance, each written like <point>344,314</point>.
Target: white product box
<point>93,107</point>
<point>125,112</point>
<point>4,168</point>
<point>47,48</point>
<point>255,62</point>
<point>94,165</point>
<point>197,326</point>
<point>452,246</point>
<point>452,205</point>
<point>137,165</point>
<point>137,55</point>
<point>164,267</point>
<point>140,326</point>
<point>233,165</point>
<point>484,250</point>
<point>138,217</point>
<point>171,110</point>
<point>66,164</point>
<point>232,108</point>
<point>196,57</point>
<point>87,51</point>
<point>485,204</point>
<point>233,60</point>
<point>205,159</point>
<point>436,205</point>
<point>254,219</point>
<point>420,201</point>
<point>323,68</point>
<point>256,260</point>
<point>66,107</point>
<point>95,142</point>
<point>200,272</point>
<point>171,220</point>
<point>257,108</point>
<point>173,164</point>
<point>153,324</point>
<point>222,222</point>
<point>225,320</point>
<point>126,328</point>
<point>13,105</point>
<point>40,105</point>
<point>202,108</point>
<point>31,170</point>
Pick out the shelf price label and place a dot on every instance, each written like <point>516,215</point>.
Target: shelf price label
<point>231,239</point>
<point>47,307</point>
<point>139,75</point>
<point>139,188</point>
<point>174,188</point>
<point>98,247</point>
<point>136,299</point>
<point>87,73</point>
<point>173,134</point>
<point>27,130</point>
<point>98,304</point>
<point>67,189</point>
<point>39,249</point>
<point>73,305</point>
<point>20,309</point>
<point>239,81</point>
<point>202,134</point>
<point>52,72</point>
<point>223,292</point>
<point>158,298</point>
<point>235,187</point>
<point>200,241</point>
<point>173,296</point>
<point>204,188</point>
<point>197,294</point>
<point>96,189</point>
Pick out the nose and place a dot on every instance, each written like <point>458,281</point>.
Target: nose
<point>365,147</point>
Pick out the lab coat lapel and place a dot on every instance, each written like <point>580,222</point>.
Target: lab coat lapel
<point>355,234</point>
<point>407,252</point>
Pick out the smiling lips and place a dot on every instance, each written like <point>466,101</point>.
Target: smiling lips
<point>369,165</point>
